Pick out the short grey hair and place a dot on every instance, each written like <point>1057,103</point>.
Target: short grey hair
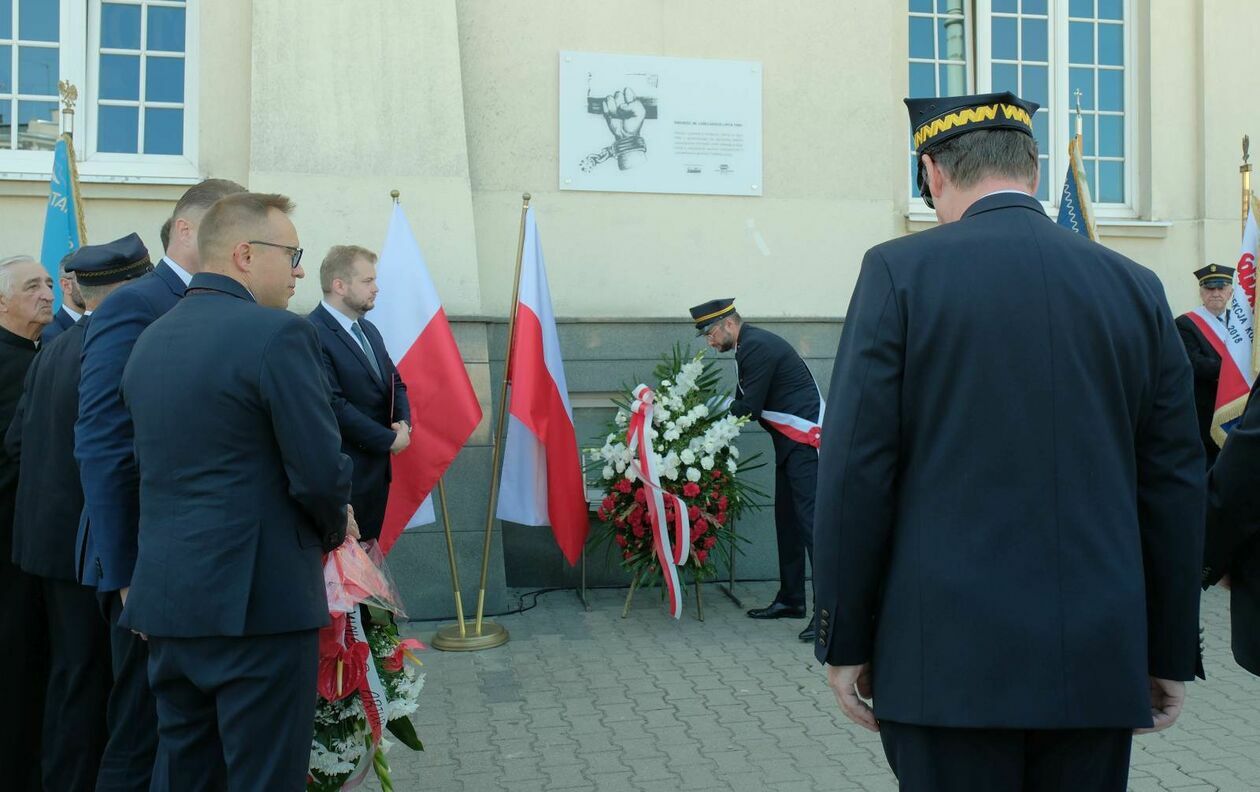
<point>984,153</point>
<point>6,271</point>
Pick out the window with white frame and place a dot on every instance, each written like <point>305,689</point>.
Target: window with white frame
<point>1044,51</point>
<point>134,66</point>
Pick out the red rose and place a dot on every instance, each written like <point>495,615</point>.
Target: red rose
<point>640,495</point>
<point>722,503</point>
<point>691,489</point>
<point>622,485</point>
<point>638,530</point>
<point>721,518</point>
<point>609,502</point>
<point>696,532</point>
<point>693,513</point>
<point>701,555</point>
<point>702,526</point>
<point>601,514</point>
<point>709,541</point>
<point>717,474</point>
<point>636,516</point>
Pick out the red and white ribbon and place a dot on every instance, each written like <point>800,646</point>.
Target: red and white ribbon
<point>372,696</point>
<point>669,555</point>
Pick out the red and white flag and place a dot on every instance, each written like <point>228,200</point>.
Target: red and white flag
<point>542,465</point>
<point>444,407</point>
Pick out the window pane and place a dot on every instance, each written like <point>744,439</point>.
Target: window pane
<point>1111,45</point>
<point>37,125</point>
<point>1111,182</point>
<point>1082,80</point>
<point>953,79</point>
<point>1110,89</point>
<point>119,127</point>
<point>166,29</point>
<point>1111,9</point>
<point>922,79</point>
<point>120,77</point>
<point>1043,189</point>
<point>1041,129</point>
<point>921,38</point>
<point>1088,134</point>
<point>120,26</point>
<point>914,176</point>
<point>1006,5</point>
<point>1004,33</point>
<point>952,43</point>
<point>1036,86</point>
<point>163,131</point>
<point>6,21</point>
<point>1036,40</point>
<point>37,71</point>
<point>1081,42</point>
<point>1111,136</point>
<point>164,80</point>
<point>1034,6</point>
<point>1081,8</point>
<point>921,5</point>
<point>39,20</point>
<point>6,76</point>
<point>1006,78</point>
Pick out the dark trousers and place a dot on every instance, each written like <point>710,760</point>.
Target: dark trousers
<point>130,754</point>
<point>936,759</point>
<point>795,482</point>
<point>23,675</point>
<point>235,713</point>
<point>79,681</point>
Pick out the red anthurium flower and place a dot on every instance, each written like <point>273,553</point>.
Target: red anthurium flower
<point>353,666</point>
<point>406,646</point>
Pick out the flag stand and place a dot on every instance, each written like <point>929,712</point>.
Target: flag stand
<point>487,634</point>
<point>1245,170</point>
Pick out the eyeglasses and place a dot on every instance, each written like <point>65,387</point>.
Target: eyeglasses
<point>295,253</point>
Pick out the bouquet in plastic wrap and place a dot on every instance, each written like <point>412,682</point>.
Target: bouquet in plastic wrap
<point>368,683</point>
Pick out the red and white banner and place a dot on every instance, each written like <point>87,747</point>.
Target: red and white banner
<point>444,406</point>
<point>1236,338</point>
<point>542,464</point>
<point>670,555</point>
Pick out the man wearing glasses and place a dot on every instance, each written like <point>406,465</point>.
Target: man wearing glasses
<point>236,508</point>
<point>106,544</point>
<point>776,388</point>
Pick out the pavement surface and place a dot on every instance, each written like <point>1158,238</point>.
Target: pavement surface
<point>586,700</point>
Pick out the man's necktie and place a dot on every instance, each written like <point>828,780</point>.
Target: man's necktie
<point>367,348</point>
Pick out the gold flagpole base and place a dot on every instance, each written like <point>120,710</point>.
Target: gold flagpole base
<point>449,639</point>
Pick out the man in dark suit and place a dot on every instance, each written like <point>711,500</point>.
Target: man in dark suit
<point>1215,290</point>
<point>49,502</point>
<point>1010,487</point>
<point>105,548</point>
<point>369,397</point>
<point>72,304</point>
<point>1231,555</point>
<point>775,388</point>
<point>243,487</point>
<point>26,298</point>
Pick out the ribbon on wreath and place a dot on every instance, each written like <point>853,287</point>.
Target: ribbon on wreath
<point>670,555</point>
<point>371,696</point>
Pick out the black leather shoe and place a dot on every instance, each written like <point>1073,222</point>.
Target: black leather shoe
<point>777,610</point>
<point>810,633</point>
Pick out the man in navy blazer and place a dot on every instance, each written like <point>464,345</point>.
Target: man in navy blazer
<point>243,487</point>
<point>369,396</point>
<point>106,544</point>
<point>1009,522</point>
<point>46,518</point>
<point>72,304</point>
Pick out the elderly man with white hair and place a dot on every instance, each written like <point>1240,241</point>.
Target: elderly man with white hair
<point>26,300</point>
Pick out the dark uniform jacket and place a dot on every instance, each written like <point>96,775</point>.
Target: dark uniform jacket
<point>61,322</point>
<point>105,550</point>
<point>772,377</point>
<point>1010,486</point>
<point>243,485</point>
<point>1233,532</point>
<point>16,354</point>
<point>1207,374</point>
<point>365,405</point>
<point>49,496</point>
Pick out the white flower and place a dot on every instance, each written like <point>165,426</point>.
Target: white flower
<point>732,466</point>
<point>664,383</point>
<point>710,447</point>
<point>706,462</point>
<point>607,472</point>
<point>670,473</point>
<point>622,418</point>
<point>596,454</point>
<point>672,434</point>
<point>688,456</point>
<point>734,452</point>
<point>630,474</point>
<point>693,474</point>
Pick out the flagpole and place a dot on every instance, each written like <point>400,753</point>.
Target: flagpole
<point>1245,171</point>
<point>501,422</point>
<point>459,626</point>
<point>70,95</point>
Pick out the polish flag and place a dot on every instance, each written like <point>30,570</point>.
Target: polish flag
<point>444,407</point>
<point>542,464</point>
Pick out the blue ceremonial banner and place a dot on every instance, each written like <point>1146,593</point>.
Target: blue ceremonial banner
<point>63,218</point>
<point>1075,210</point>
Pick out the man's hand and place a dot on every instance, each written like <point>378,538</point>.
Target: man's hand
<point>1167,698</point>
<point>402,437</point>
<point>352,527</point>
<point>851,684</point>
